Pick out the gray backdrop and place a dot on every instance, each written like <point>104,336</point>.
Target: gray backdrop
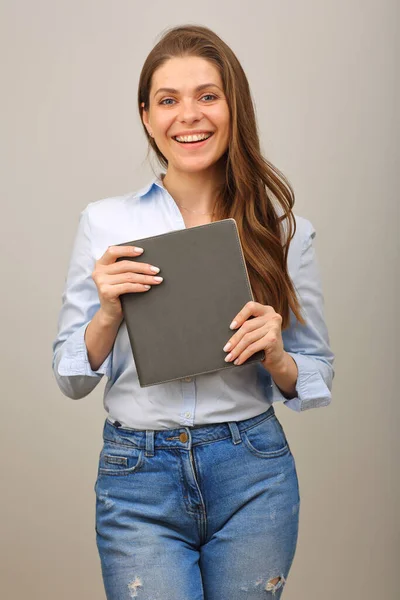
<point>324,76</point>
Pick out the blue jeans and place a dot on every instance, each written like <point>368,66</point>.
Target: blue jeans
<point>197,513</point>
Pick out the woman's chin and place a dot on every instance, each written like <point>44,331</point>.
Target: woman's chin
<point>193,164</point>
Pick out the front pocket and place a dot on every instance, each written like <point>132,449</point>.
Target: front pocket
<point>266,439</point>
<point>119,460</point>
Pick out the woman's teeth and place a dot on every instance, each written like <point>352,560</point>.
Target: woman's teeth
<point>193,138</point>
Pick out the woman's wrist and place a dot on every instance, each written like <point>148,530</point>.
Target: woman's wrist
<point>108,321</point>
<point>285,374</point>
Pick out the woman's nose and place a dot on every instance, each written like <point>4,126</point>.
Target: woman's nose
<point>189,110</point>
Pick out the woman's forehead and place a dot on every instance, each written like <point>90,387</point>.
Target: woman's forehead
<point>186,74</point>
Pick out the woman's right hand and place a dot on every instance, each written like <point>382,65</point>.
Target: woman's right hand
<point>125,276</point>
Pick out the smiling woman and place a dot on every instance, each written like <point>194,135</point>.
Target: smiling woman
<point>197,493</point>
<point>187,115</point>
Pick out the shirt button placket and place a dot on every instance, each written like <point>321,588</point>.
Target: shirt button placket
<point>189,400</point>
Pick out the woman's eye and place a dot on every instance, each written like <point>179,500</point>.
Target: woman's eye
<point>166,101</point>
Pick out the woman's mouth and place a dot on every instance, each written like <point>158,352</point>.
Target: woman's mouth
<point>193,141</point>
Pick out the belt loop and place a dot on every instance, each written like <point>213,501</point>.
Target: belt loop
<point>236,437</point>
<point>149,442</point>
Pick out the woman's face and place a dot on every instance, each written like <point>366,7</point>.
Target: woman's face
<point>194,103</point>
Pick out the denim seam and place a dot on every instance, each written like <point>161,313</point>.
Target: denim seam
<point>258,422</point>
<point>135,446</point>
<point>265,453</point>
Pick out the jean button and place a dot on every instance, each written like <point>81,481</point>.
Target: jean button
<point>183,437</point>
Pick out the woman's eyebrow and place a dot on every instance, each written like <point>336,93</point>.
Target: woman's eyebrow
<point>197,89</point>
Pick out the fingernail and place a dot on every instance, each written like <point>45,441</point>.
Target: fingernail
<point>155,269</point>
<point>227,346</point>
<point>233,325</point>
<point>228,358</point>
<point>157,278</point>
<point>136,249</point>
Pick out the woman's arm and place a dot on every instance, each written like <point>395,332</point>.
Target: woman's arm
<point>306,381</point>
<point>80,303</point>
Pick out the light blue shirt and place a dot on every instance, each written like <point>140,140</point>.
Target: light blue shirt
<point>231,394</point>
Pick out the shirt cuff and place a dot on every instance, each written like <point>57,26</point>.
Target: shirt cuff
<point>74,358</point>
<point>312,390</point>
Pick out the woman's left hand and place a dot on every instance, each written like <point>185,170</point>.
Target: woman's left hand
<point>263,332</point>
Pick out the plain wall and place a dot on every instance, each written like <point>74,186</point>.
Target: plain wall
<point>324,77</point>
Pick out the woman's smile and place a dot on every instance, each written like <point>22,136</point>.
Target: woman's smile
<point>192,142</point>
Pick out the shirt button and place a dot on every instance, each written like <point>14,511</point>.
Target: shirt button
<point>188,415</point>
<point>183,437</point>
<point>188,379</point>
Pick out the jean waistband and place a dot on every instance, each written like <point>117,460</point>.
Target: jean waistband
<point>181,437</point>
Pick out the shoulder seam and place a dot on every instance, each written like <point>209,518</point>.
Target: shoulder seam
<point>310,235</point>
<point>86,214</point>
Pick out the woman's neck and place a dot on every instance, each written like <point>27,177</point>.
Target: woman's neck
<point>195,191</point>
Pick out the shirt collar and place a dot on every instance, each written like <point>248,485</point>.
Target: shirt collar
<point>156,181</point>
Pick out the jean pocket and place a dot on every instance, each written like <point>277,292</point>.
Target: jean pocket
<point>266,439</point>
<point>116,459</point>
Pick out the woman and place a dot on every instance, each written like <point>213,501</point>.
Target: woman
<point>197,493</point>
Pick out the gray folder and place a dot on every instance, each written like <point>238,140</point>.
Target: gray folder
<point>179,327</point>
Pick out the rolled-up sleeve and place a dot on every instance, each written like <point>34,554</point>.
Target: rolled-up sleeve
<point>308,344</point>
<point>80,302</point>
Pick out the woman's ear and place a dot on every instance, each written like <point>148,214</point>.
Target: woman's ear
<point>145,117</point>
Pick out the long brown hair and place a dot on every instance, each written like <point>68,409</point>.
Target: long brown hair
<point>252,184</point>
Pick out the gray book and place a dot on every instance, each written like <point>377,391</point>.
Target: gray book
<point>179,327</point>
